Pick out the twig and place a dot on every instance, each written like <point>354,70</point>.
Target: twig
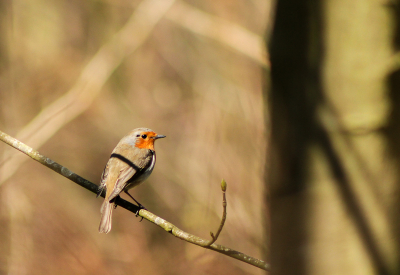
<point>167,226</point>
<point>221,225</point>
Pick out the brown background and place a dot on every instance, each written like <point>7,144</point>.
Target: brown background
<point>195,75</point>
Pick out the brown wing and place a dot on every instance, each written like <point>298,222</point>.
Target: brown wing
<point>130,163</point>
<point>124,176</point>
<point>125,164</point>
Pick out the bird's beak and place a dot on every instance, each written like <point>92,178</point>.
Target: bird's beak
<point>159,136</point>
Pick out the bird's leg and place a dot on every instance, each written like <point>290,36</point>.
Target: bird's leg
<point>138,203</point>
<point>115,201</point>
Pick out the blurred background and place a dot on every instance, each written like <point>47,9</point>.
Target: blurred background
<point>76,76</point>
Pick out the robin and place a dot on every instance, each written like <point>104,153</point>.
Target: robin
<point>130,163</point>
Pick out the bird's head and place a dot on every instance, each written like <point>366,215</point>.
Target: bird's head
<point>145,138</point>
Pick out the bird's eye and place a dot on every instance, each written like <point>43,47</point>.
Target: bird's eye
<point>144,136</point>
<point>137,135</point>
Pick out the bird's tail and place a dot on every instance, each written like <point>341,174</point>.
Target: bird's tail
<point>106,216</point>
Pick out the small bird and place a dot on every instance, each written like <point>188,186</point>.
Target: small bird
<point>131,162</point>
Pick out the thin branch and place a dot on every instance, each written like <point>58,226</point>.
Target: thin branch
<point>224,205</point>
<point>167,226</point>
<point>170,228</point>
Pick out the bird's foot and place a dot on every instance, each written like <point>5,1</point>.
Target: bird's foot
<point>140,208</point>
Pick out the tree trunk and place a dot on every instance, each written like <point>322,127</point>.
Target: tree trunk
<point>334,162</point>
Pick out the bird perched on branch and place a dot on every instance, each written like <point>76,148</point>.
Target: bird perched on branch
<point>130,163</point>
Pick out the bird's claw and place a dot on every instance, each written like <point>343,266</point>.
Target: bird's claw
<point>140,208</point>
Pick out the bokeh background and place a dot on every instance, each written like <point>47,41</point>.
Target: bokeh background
<point>76,76</point>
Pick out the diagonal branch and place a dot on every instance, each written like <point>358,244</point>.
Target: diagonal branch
<point>167,226</point>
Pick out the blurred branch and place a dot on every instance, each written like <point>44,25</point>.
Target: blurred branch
<point>88,86</point>
<point>167,226</point>
<point>224,204</point>
<point>225,32</point>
